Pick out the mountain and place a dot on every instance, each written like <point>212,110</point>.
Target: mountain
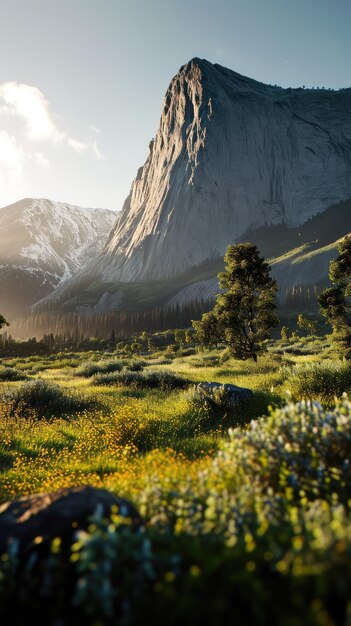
<point>232,156</point>
<point>43,244</point>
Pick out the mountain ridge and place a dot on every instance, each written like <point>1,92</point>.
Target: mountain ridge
<point>231,155</point>
<point>44,243</point>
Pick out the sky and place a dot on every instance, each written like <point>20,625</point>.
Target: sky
<point>82,81</point>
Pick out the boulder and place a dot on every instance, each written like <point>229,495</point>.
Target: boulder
<point>234,394</point>
<point>57,514</point>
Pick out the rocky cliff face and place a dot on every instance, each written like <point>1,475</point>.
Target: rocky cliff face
<point>231,154</point>
<point>43,244</point>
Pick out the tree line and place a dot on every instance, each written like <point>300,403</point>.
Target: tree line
<point>100,325</point>
<point>243,315</point>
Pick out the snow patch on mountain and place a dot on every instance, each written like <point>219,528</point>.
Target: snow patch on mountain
<point>50,241</point>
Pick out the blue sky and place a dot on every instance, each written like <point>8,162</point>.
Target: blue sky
<point>82,81</point>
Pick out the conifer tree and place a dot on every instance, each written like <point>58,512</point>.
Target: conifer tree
<point>335,301</point>
<point>3,322</point>
<point>244,313</point>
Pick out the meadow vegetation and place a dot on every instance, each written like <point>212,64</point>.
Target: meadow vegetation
<point>246,507</point>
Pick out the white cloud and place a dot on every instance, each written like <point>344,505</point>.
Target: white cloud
<point>11,159</point>
<point>77,146</point>
<point>41,160</point>
<point>30,104</point>
<point>97,152</point>
<point>30,136</point>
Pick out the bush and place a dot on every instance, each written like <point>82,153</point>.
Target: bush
<point>90,369</point>
<point>219,413</point>
<point>187,351</point>
<point>207,360</point>
<point>146,380</point>
<point>39,398</point>
<point>136,365</point>
<point>158,359</point>
<point>322,381</point>
<point>87,369</point>
<point>10,373</point>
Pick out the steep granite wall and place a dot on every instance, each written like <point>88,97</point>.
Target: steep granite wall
<point>231,154</point>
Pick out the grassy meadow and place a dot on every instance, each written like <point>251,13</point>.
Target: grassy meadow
<point>246,508</point>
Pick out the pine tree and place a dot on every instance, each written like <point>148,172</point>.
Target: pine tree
<point>3,322</point>
<point>305,324</point>
<point>243,315</point>
<point>335,301</point>
<point>284,333</point>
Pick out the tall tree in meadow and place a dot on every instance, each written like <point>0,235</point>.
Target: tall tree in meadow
<point>244,313</point>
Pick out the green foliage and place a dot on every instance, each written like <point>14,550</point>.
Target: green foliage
<point>340,268</point>
<point>40,398</point>
<point>208,330</point>
<point>143,380</point>
<point>137,365</point>
<point>3,322</point>
<point>189,336</point>
<point>11,373</point>
<point>217,411</point>
<point>243,315</point>
<point>308,345</point>
<point>322,382</point>
<point>334,302</point>
<point>306,324</point>
<point>179,337</point>
<point>90,369</point>
<point>333,306</point>
<point>284,333</point>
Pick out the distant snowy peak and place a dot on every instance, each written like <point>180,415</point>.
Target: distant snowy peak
<point>50,241</point>
<point>62,235</point>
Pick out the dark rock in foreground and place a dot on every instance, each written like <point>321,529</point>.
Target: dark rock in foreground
<point>57,514</point>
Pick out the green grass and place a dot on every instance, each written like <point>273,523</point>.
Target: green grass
<point>245,506</point>
<point>157,417</point>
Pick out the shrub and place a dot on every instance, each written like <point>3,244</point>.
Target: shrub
<point>90,369</point>
<point>187,351</point>
<point>119,378</point>
<point>87,369</point>
<point>171,352</point>
<point>110,366</point>
<point>136,365</point>
<point>146,380</point>
<point>158,359</point>
<point>207,360</point>
<point>321,381</point>
<point>40,398</point>
<point>10,373</point>
<point>218,411</point>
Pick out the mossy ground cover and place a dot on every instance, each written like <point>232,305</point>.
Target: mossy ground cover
<point>249,508</point>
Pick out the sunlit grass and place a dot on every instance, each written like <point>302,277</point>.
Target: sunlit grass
<point>111,444</point>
